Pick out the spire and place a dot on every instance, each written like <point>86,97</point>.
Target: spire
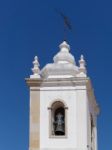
<point>35,69</point>
<point>82,65</point>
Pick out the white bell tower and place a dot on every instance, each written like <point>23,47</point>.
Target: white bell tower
<point>63,108</point>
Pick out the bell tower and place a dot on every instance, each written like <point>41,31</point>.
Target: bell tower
<point>63,108</point>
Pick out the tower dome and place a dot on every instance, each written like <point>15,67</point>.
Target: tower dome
<point>63,56</point>
<point>64,65</point>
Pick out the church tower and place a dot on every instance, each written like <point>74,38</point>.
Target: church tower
<point>63,108</point>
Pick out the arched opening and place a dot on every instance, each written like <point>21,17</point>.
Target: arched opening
<point>58,119</point>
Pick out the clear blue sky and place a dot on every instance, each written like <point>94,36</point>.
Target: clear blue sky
<point>32,27</point>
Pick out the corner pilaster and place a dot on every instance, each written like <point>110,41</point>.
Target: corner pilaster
<point>34,136</point>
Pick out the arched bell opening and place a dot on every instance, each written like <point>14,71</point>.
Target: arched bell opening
<point>59,123</point>
<point>58,119</point>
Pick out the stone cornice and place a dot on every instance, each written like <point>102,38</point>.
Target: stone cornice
<point>56,82</point>
<point>66,82</point>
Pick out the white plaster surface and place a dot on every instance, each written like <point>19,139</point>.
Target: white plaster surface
<point>76,101</point>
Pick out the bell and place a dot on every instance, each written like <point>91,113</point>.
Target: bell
<point>59,128</point>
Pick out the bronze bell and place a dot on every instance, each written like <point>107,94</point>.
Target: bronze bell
<point>59,124</point>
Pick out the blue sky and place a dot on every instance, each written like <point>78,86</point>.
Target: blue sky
<point>29,28</point>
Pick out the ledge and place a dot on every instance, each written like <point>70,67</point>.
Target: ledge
<point>53,82</point>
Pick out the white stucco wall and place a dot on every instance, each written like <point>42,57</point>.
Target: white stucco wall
<point>76,101</point>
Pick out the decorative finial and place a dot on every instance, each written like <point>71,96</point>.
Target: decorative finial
<point>82,65</point>
<point>64,46</point>
<point>82,57</point>
<point>35,69</point>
